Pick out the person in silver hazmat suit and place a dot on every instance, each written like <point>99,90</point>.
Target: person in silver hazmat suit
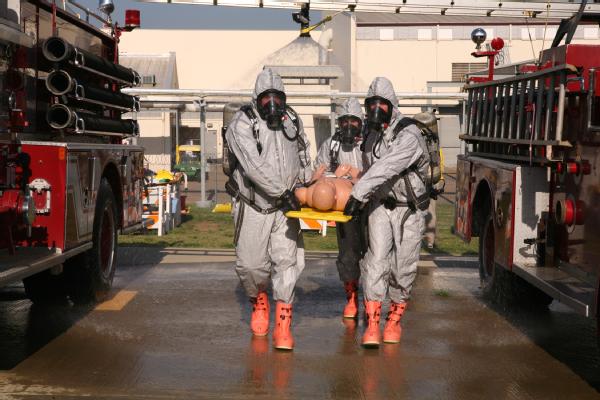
<point>344,148</point>
<point>272,157</point>
<point>393,185</point>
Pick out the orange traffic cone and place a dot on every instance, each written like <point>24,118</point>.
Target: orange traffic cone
<point>393,331</point>
<point>259,322</point>
<point>371,338</point>
<point>282,335</point>
<point>351,308</point>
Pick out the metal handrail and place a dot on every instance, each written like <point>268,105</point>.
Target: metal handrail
<point>508,95</point>
<point>524,77</point>
<point>508,117</point>
<point>89,13</point>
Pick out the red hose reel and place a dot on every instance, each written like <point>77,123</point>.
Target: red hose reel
<point>16,208</point>
<point>574,167</point>
<point>569,212</point>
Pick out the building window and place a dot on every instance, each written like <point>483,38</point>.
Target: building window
<point>459,70</point>
<point>444,34</point>
<point>386,34</point>
<point>424,34</point>
<point>528,33</point>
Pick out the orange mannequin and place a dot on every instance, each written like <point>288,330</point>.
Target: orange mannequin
<point>329,193</point>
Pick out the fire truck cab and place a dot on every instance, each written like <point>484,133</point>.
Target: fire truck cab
<point>528,183</point>
<point>69,183</point>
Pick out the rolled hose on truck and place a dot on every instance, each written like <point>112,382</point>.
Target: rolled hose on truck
<point>60,82</point>
<point>59,116</point>
<point>58,50</point>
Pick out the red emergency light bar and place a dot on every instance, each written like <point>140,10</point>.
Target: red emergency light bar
<point>132,19</point>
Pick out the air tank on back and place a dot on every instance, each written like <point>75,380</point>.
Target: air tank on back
<point>429,119</point>
<point>229,111</point>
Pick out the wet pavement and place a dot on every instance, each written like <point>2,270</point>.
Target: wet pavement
<point>177,327</point>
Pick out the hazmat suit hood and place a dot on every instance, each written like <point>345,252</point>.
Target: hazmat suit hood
<point>382,87</point>
<point>267,80</point>
<point>349,129</point>
<point>352,107</point>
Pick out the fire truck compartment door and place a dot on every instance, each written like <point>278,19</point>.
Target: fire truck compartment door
<point>81,198</point>
<point>532,186</point>
<point>462,211</point>
<point>502,181</point>
<point>132,170</point>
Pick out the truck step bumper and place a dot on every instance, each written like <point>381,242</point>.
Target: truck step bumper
<point>31,260</point>
<point>573,292</point>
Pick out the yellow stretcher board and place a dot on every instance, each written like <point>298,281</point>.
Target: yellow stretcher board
<point>309,213</point>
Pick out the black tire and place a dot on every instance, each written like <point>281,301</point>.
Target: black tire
<point>44,288</point>
<point>90,274</point>
<point>489,273</point>
<point>502,286</point>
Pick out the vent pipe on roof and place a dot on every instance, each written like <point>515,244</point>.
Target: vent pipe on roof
<point>325,43</point>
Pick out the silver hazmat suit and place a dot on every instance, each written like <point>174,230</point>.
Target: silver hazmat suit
<point>269,246</point>
<point>390,263</point>
<point>348,154</point>
<point>349,235</point>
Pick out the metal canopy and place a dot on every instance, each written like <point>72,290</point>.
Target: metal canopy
<point>523,9</point>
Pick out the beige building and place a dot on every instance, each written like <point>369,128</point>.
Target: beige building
<point>159,70</point>
<point>419,53</point>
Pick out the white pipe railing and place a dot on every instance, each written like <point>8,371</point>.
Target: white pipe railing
<point>204,93</point>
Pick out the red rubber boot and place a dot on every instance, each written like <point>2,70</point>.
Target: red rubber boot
<point>351,308</point>
<point>393,330</point>
<point>282,335</point>
<point>372,336</point>
<point>259,322</point>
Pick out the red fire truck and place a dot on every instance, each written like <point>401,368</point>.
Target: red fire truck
<point>68,182</point>
<point>528,183</point>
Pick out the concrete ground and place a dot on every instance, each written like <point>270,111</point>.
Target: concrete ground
<point>176,326</point>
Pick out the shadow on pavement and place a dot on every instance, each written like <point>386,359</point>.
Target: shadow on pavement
<point>568,337</point>
<point>26,328</point>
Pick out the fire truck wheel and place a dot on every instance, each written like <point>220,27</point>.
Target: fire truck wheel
<point>489,273</point>
<point>500,285</point>
<point>91,274</point>
<point>44,288</point>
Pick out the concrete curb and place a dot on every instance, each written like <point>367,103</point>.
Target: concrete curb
<point>146,255</point>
